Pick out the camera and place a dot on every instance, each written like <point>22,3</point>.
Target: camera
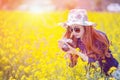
<point>65,47</point>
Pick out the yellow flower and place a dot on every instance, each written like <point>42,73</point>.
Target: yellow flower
<point>98,69</point>
<point>23,77</point>
<point>11,78</point>
<point>77,49</point>
<point>104,61</point>
<point>77,78</point>
<point>27,69</point>
<point>21,67</point>
<point>37,74</point>
<point>7,67</point>
<point>101,79</point>
<point>1,73</point>
<point>111,78</point>
<point>112,69</point>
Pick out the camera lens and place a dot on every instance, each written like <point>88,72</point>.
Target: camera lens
<point>65,48</point>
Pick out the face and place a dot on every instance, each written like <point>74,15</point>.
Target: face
<point>76,30</point>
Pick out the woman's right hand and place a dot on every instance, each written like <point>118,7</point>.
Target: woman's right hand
<point>60,43</point>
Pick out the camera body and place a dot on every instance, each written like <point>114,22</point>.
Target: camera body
<point>65,47</point>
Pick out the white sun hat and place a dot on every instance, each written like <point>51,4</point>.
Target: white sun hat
<point>78,17</point>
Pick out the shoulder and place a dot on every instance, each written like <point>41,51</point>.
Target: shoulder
<point>98,42</point>
<point>101,32</point>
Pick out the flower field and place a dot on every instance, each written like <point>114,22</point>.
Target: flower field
<point>29,45</point>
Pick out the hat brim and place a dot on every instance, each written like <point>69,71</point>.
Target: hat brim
<point>85,23</point>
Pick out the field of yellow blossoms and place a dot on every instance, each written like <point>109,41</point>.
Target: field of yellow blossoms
<point>29,45</point>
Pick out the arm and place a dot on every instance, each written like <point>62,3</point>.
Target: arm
<point>74,51</point>
<point>83,56</point>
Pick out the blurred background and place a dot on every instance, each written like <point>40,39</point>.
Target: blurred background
<point>45,5</point>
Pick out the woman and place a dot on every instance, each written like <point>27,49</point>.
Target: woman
<point>93,44</point>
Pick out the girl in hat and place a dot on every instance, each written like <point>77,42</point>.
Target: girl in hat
<point>93,44</point>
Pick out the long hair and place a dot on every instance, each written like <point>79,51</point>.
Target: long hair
<point>89,37</point>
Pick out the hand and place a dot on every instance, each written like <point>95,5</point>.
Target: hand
<point>60,43</point>
<point>71,50</point>
<point>65,46</point>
